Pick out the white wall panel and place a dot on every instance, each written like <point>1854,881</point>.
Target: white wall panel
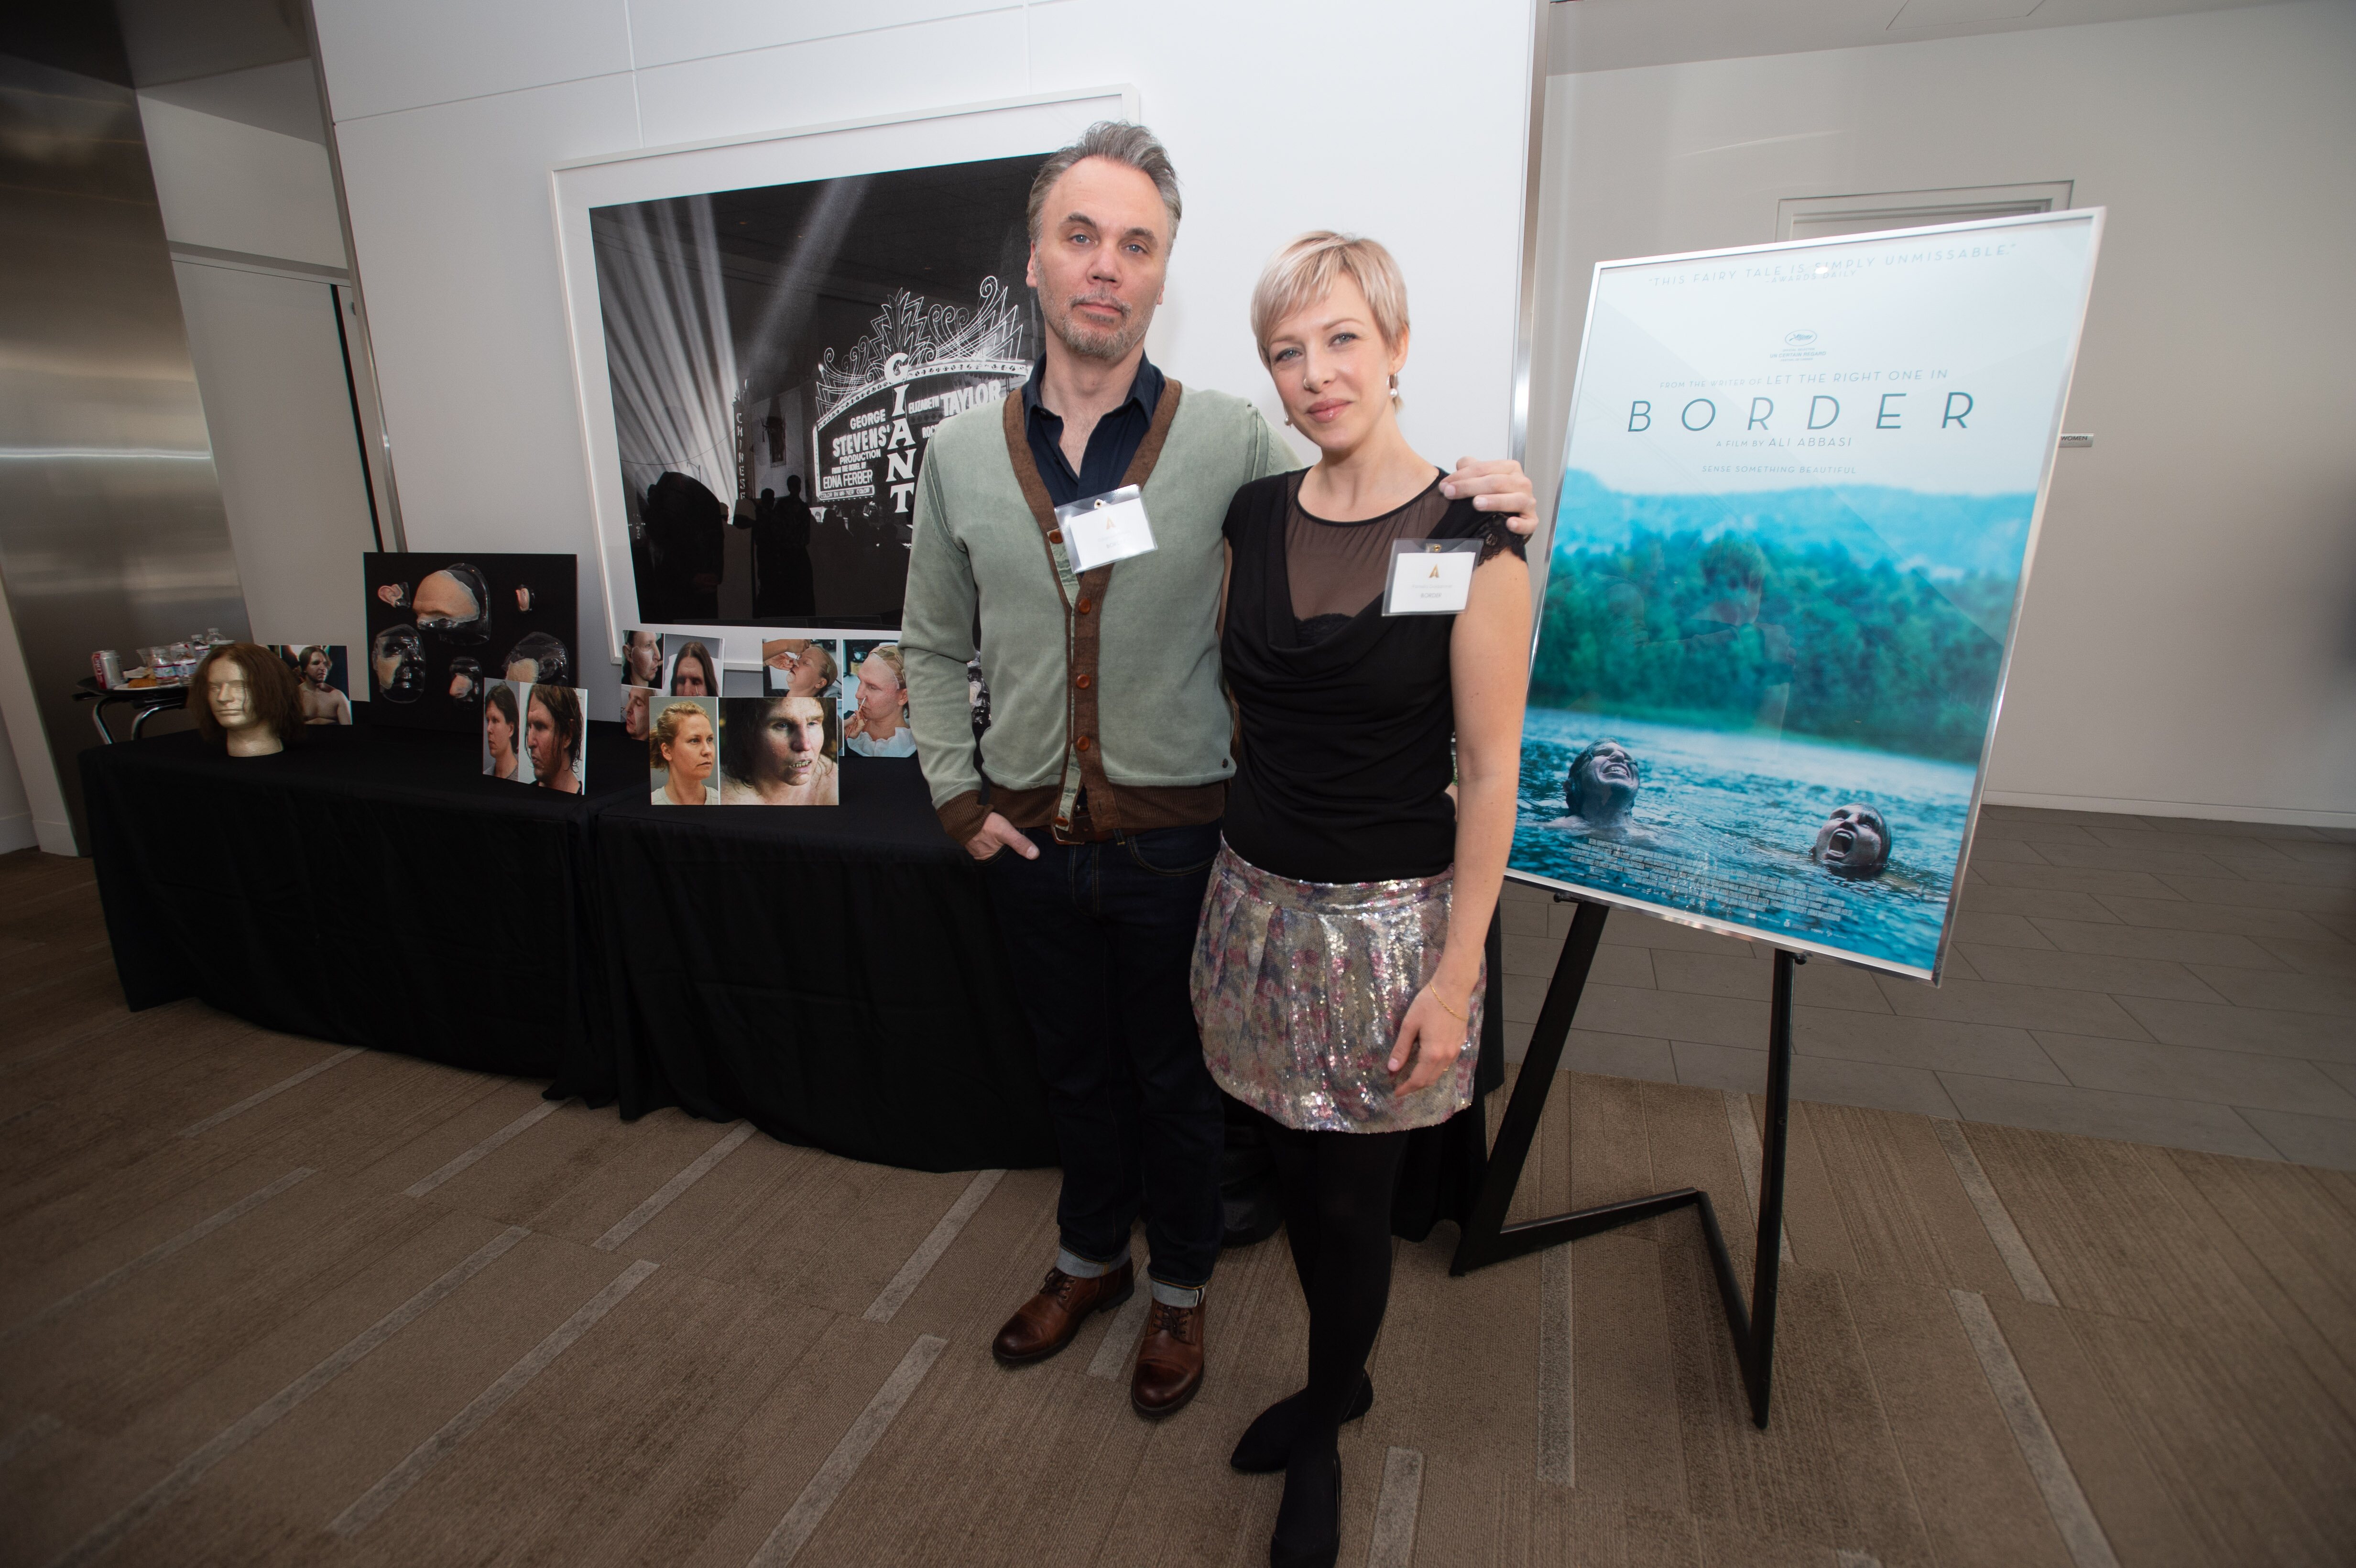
<point>1403,122</point>
<point>270,368</point>
<point>450,212</point>
<point>2186,644</point>
<point>238,188</point>
<point>966,60</point>
<point>675,30</point>
<point>385,55</point>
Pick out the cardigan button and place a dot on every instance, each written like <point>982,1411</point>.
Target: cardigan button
<point>1054,535</point>
<point>1084,682</point>
<point>1084,605</point>
<point>1083,742</point>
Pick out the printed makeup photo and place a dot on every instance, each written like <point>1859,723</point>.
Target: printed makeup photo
<point>779,750</point>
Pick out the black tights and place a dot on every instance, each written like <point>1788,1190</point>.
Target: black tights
<point>1335,1189</point>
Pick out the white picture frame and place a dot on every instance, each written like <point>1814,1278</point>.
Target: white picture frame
<point>958,133</point>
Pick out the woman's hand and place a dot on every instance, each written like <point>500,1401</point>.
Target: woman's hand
<point>1496,486</point>
<point>1432,1035</point>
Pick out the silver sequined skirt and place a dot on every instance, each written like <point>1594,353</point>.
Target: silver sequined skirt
<point>1300,989</point>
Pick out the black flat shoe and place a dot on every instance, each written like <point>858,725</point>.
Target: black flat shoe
<point>1308,1520</point>
<point>1266,1443</point>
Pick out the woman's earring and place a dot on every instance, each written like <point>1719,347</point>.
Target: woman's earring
<point>1394,395</point>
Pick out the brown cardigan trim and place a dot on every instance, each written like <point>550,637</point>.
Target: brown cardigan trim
<point>1084,619</point>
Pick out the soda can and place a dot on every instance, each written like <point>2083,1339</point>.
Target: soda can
<point>107,665</point>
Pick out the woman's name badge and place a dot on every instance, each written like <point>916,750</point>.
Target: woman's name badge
<point>1100,529</point>
<point>1430,577</point>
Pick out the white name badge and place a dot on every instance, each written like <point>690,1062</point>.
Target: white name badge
<point>1100,529</point>
<point>1430,577</point>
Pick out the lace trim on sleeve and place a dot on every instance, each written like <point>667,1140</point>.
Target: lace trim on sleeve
<point>1498,536</point>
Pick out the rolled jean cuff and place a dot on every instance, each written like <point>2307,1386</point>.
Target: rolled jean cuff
<point>1078,1267</point>
<point>1170,1294</point>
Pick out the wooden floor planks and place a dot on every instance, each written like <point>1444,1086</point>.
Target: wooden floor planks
<point>2197,1376</point>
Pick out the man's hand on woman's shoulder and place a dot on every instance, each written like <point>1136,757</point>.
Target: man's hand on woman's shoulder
<point>1496,486</point>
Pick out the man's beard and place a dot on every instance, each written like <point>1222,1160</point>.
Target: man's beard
<point>1111,343</point>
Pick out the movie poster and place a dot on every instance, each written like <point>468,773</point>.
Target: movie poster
<point>779,359</point>
<point>1800,492</point>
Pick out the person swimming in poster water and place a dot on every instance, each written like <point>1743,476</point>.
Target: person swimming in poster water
<point>1854,843</point>
<point>1601,788</point>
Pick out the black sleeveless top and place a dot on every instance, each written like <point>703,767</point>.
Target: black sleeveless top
<point>1346,715</point>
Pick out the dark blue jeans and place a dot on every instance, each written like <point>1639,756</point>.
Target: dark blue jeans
<point>1102,936</point>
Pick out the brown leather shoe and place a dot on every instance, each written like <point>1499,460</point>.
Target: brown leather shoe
<point>1047,1322</point>
<point>1168,1362</point>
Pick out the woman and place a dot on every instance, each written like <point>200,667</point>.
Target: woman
<point>691,673</point>
<point>879,723</point>
<point>500,760</point>
<point>683,748</point>
<point>553,732</point>
<point>1338,966</point>
<point>320,703</point>
<point>808,668</point>
<point>779,750</point>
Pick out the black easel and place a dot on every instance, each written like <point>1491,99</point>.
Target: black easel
<point>1487,1239</point>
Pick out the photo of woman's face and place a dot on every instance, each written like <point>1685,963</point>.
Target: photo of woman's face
<point>315,667</point>
<point>498,733</point>
<point>808,674</point>
<point>542,736</point>
<point>794,738</point>
<point>691,679</point>
<point>691,755</point>
<point>643,660</point>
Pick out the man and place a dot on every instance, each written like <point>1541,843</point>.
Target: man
<point>781,553</point>
<point>878,723</point>
<point>1097,815</point>
<point>319,702</point>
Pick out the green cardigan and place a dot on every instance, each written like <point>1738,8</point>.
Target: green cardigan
<point>1162,713</point>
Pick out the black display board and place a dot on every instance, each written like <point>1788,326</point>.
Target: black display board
<point>444,624</point>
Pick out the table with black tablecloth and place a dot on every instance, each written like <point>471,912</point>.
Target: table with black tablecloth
<point>366,886</point>
<point>834,976</point>
<point>829,973</point>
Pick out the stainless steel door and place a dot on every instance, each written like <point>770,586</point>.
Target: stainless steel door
<point>112,533</point>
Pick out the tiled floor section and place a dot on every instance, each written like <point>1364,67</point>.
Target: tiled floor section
<point>369,1320</point>
<point>2157,979</point>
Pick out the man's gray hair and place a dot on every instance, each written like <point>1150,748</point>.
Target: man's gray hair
<point>1121,142</point>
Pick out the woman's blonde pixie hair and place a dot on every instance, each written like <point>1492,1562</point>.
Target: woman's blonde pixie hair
<point>1303,272</point>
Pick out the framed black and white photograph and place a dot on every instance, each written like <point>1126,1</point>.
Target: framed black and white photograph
<point>766,331</point>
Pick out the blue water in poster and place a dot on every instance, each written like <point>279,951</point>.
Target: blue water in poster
<point>1799,494</point>
<point>1724,823</point>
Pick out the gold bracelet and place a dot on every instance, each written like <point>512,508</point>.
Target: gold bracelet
<point>1433,991</point>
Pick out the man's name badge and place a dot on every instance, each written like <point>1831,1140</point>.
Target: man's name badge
<point>1430,577</point>
<point>1100,529</point>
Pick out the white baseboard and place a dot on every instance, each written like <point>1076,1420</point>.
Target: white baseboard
<point>2206,811</point>
<point>16,833</point>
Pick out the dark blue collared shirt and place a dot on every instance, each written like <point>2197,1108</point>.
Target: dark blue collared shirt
<point>1111,444</point>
